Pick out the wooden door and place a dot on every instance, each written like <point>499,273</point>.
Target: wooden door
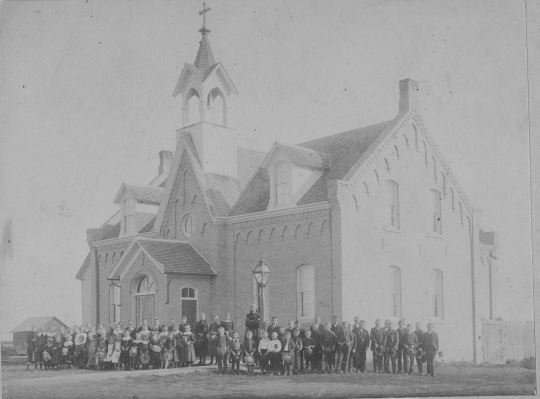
<point>189,309</point>
<point>144,309</point>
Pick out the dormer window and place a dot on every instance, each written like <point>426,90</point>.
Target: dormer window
<point>282,183</point>
<point>128,212</point>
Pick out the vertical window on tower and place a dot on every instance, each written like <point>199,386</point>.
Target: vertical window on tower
<point>395,291</point>
<point>128,215</point>
<point>392,204</point>
<point>114,299</point>
<point>282,179</point>
<point>438,300</point>
<point>435,212</point>
<point>305,277</point>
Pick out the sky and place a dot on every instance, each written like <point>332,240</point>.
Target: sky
<point>87,104</point>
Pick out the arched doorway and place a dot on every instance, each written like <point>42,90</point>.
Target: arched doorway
<point>145,299</point>
<point>189,305</point>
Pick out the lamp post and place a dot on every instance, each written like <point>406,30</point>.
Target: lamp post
<point>262,275</point>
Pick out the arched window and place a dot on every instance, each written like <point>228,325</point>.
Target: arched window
<point>146,286</point>
<point>434,168</point>
<point>127,212</point>
<point>394,290</point>
<point>425,153</point>
<point>305,277</point>
<point>187,225</point>
<point>113,257</point>
<point>435,216</point>
<point>406,141</point>
<point>188,293</point>
<point>392,204</point>
<point>106,259</point>
<point>282,183</point>
<point>397,152</point>
<point>461,213</point>
<point>452,198</point>
<point>437,294</point>
<point>377,176</point>
<point>192,108</point>
<point>216,108</point>
<point>114,301</point>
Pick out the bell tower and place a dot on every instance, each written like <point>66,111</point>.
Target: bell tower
<point>207,94</point>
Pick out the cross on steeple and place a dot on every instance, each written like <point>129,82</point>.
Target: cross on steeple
<point>205,9</point>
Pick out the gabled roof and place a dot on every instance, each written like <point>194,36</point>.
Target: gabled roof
<point>299,156</point>
<point>146,194</point>
<point>340,152</point>
<point>171,257</point>
<point>37,321</point>
<point>83,267</point>
<point>202,75</point>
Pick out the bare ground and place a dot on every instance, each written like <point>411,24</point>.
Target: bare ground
<point>460,379</point>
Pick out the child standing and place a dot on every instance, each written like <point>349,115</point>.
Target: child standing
<point>287,354</point>
<point>189,349</point>
<point>156,347</point>
<point>264,355</point>
<point>212,337</point>
<point>170,355</point>
<point>48,352</point>
<point>308,350</point>
<point>57,353</point>
<point>249,347</point>
<point>274,351</point>
<point>134,359</point>
<point>126,346</point>
<point>228,325</point>
<point>91,351</point>
<point>115,358</point>
<point>298,346</point>
<point>144,357</point>
<point>70,351</point>
<point>222,347</point>
<point>236,351</point>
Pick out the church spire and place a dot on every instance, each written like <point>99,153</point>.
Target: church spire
<point>204,58</point>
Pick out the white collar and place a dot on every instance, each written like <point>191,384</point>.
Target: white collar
<point>126,338</point>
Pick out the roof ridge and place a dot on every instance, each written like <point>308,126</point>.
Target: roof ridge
<point>348,131</point>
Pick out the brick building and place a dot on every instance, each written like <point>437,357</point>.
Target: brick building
<point>368,222</point>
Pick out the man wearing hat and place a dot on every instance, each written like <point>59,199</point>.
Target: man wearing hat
<point>392,343</point>
<point>378,341</point>
<point>430,346</point>
<point>409,345</point>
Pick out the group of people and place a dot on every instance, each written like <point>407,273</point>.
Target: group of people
<point>332,347</point>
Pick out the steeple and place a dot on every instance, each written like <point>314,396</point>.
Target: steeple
<point>205,58</point>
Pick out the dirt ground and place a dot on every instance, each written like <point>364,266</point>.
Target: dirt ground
<point>459,379</point>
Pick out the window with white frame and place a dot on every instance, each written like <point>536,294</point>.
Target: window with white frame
<point>114,299</point>
<point>282,183</point>
<point>435,217</point>
<point>437,293</point>
<point>394,290</point>
<point>392,204</point>
<point>128,215</point>
<point>306,291</point>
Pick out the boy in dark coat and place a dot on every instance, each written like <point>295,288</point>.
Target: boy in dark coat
<point>48,352</point>
<point>249,347</point>
<point>222,347</point>
<point>274,328</point>
<point>351,364</point>
<point>378,341</point>
<point>402,331</point>
<point>298,346</point>
<point>308,351</point>
<point>362,344</point>
<point>201,332</point>
<point>317,330</point>
<point>345,341</point>
<point>328,345</point>
<point>235,346</point>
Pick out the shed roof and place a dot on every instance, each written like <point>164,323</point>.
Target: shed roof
<point>37,321</point>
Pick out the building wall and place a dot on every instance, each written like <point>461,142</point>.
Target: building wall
<point>368,248</point>
<point>301,237</point>
<point>86,295</point>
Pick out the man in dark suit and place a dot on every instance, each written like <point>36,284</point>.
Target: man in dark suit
<point>420,335</point>
<point>362,344</point>
<point>409,344</point>
<point>336,329</point>
<point>378,340</point>
<point>402,331</point>
<point>431,346</point>
<point>392,344</point>
<point>31,347</point>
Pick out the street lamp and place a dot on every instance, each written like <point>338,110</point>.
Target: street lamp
<point>262,275</point>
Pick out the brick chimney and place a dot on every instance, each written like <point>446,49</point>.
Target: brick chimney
<point>165,161</point>
<point>408,95</point>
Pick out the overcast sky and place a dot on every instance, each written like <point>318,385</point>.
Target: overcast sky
<point>87,104</point>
